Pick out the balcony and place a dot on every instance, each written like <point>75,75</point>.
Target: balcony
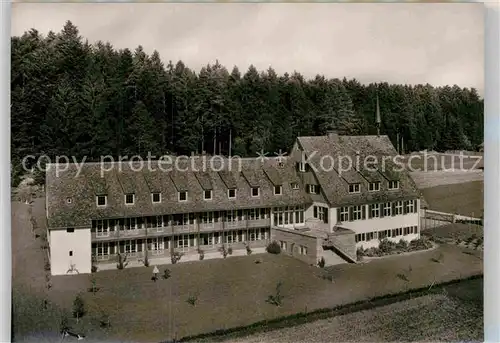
<point>179,229</point>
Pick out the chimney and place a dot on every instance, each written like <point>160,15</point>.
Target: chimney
<point>332,134</point>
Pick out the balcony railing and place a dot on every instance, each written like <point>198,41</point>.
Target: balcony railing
<point>180,229</point>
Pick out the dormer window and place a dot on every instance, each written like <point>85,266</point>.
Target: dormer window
<point>183,196</point>
<point>231,193</point>
<point>313,189</point>
<point>255,191</point>
<point>101,200</point>
<point>302,166</point>
<point>393,184</point>
<point>277,190</point>
<point>294,185</point>
<point>129,199</point>
<point>207,195</point>
<point>374,186</point>
<point>354,188</point>
<point>156,198</point>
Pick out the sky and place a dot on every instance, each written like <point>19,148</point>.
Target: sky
<point>440,44</point>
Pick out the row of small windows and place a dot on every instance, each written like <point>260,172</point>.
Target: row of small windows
<point>157,245</point>
<point>388,209</point>
<point>391,233</point>
<point>302,249</point>
<point>102,227</point>
<point>372,186</point>
<point>101,200</point>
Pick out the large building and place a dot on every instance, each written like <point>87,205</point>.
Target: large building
<point>329,196</point>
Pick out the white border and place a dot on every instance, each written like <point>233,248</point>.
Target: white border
<point>5,206</point>
<point>491,173</point>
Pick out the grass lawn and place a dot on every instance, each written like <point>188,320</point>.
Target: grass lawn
<point>455,231</point>
<point>465,198</point>
<point>230,292</point>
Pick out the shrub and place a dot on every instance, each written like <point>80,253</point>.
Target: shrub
<point>321,262</point>
<point>192,299</point>
<point>223,251</point>
<point>202,254</point>
<point>146,261</point>
<point>175,257</point>
<point>277,298</point>
<point>93,286</point>
<point>402,245</point>
<point>230,251</point>
<point>104,321</point>
<point>249,250</point>
<point>403,277</point>
<point>386,245</point>
<point>64,324</point>
<point>122,261</point>
<point>93,269</point>
<point>78,307</point>
<point>166,273</point>
<point>273,248</point>
<point>47,266</point>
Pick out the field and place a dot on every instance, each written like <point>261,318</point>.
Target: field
<point>455,315</point>
<point>465,198</point>
<point>229,292</point>
<point>437,161</point>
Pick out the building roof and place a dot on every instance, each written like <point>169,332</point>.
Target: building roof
<point>195,175</point>
<point>83,187</point>
<point>338,161</point>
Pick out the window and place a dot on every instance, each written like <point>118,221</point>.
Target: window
<point>255,191</point>
<point>101,228</point>
<point>410,206</point>
<point>102,251</point>
<point>393,184</point>
<point>129,199</point>
<point>101,200</point>
<point>70,230</point>
<point>71,253</point>
<point>374,210</point>
<point>303,250</point>
<point>398,208</point>
<point>277,190</point>
<point>354,188</point>
<point>374,186</point>
<point>302,166</point>
<point>156,198</point>
<point>207,218</point>
<point>321,213</point>
<point>231,193</point>
<point>356,212</point>
<point>370,236</point>
<point>183,196</point>
<point>69,200</point>
<point>344,214</point>
<point>387,209</point>
<point>294,185</point>
<point>207,195</point>
<point>313,189</point>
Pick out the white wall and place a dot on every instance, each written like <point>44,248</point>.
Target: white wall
<point>62,242</point>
